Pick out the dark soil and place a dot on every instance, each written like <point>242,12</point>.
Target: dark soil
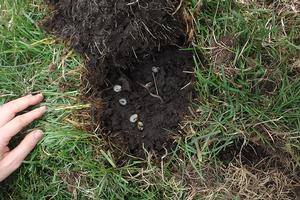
<point>121,41</point>
<point>160,114</point>
<point>110,33</point>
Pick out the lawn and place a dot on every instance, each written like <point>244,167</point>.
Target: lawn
<point>242,138</point>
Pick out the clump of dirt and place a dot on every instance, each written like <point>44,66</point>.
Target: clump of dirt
<point>133,45</point>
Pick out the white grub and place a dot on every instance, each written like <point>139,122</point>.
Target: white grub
<point>140,126</point>
<point>117,88</point>
<point>132,3</point>
<point>133,118</point>
<point>155,69</point>
<point>148,85</point>
<point>123,102</point>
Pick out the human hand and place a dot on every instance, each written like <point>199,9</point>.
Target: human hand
<point>10,125</point>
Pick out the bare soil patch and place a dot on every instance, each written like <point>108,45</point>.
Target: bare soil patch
<point>134,65</point>
<point>158,99</point>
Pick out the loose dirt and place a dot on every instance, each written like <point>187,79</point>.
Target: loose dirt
<point>133,44</point>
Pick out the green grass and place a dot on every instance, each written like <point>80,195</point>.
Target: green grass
<point>72,164</point>
<point>237,103</point>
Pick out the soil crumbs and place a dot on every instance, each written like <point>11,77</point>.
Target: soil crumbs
<point>134,64</point>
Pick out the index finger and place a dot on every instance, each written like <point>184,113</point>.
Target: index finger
<point>9,110</point>
<point>17,124</point>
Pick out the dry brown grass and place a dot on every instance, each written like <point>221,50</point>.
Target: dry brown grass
<point>244,182</point>
<point>280,5</point>
<point>248,182</point>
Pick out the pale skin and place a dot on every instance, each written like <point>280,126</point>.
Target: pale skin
<point>11,124</point>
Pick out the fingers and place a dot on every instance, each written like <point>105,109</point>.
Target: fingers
<point>14,159</point>
<point>18,123</point>
<point>4,152</point>
<point>9,110</point>
<point>26,146</point>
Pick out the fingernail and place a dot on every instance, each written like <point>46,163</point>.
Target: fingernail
<point>40,95</point>
<point>44,108</point>
<point>38,134</point>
